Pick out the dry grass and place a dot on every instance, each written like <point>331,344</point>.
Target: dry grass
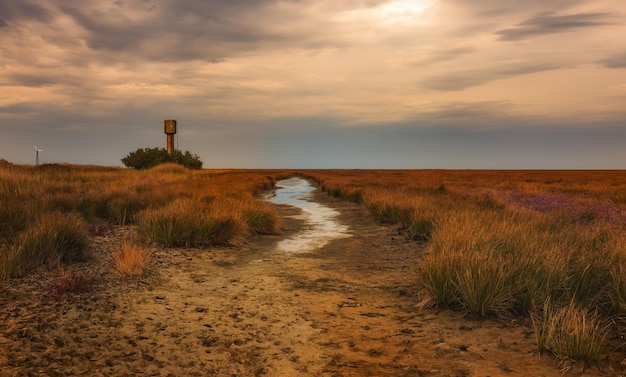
<point>130,260</point>
<point>497,241</point>
<point>570,332</point>
<point>46,210</point>
<point>51,239</point>
<point>508,241</point>
<point>190,222</point>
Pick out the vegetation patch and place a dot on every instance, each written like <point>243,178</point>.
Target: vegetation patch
<point>146,158</point>
<point>130,260</point>
<point>48,212</point>
<point>67,284</point>
<point>508,241</point>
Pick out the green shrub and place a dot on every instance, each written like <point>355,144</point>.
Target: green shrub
<point>146,158</point>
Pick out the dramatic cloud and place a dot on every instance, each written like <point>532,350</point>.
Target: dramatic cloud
<point>313,82</point>
<point>22,10</point>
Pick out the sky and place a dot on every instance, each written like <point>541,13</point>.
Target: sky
<point>411,84</point>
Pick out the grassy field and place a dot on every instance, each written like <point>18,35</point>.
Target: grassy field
<point>47,213</point>
<point>547,246</point>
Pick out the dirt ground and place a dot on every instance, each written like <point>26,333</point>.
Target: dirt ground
<point>348,309</point>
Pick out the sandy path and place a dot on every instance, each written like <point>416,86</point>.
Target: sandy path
<point>344,310</point>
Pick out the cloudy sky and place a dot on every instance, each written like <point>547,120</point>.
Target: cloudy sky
<point>317,83</point>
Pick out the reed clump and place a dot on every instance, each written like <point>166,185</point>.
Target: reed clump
<point>570,332</point>
<point>52,239</point>
<point>189,222</point>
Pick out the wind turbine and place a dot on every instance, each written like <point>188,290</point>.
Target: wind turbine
<point>37,150</point>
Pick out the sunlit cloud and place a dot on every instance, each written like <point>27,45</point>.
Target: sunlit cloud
<point>404,11</point>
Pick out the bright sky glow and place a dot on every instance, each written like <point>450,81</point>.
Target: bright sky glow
<point>404,11</point>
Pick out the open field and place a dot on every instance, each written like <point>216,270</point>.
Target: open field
<point>172,272</point>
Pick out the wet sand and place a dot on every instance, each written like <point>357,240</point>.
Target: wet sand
<point>345,309</point>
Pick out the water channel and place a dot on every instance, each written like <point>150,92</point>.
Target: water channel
<point>321,221</point>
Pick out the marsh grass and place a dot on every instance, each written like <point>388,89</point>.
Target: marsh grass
<point>483,283</point>
<point>570,332</point>
<point>52,239</point>
<point>433,279</point>
<point>261,218</point>
<point>617,290</point>
<point>170,168</point>
<point>188,222</point>
<point>45,211</point>
<point>507,242</point>
<point>544,324</point>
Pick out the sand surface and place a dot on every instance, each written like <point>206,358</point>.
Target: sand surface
<point>345,309</point>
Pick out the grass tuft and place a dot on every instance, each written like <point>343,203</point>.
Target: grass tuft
<point>433,279</point>
<point>570,333</point>
<point>483,284</point>
<point>55,238</point>
<point>262,219</point>
<point>130,260</point>
<point>189,222</point>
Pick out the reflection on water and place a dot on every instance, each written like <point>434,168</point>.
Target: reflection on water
<point>321,220</point>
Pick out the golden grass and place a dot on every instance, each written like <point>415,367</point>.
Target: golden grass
<point>496,241</point>
<point>508,241</point>
<point>221,208</point>
<point>50,239</point>
<point>130,260</point>
<point>570,332</point>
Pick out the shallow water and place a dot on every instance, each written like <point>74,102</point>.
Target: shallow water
<point>322,225</point>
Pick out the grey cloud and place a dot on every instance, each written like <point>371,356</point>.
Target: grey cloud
<point>446,55</point>
<point>21,108</point>
<point>549,23</point>
<point>12,11</point>
<point>457,80</point>
<point>31,79</point>
<point>480,115</point>
<point>615,61</point>
<point>460,80</point>
<point>198,30</point>
<point>494,8</point>
<point>527,69</point>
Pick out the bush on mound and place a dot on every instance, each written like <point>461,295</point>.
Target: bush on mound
<point>146,158</point>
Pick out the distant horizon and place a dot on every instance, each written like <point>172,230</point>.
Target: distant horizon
<point>394,84</point>
<point>365,169</point>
